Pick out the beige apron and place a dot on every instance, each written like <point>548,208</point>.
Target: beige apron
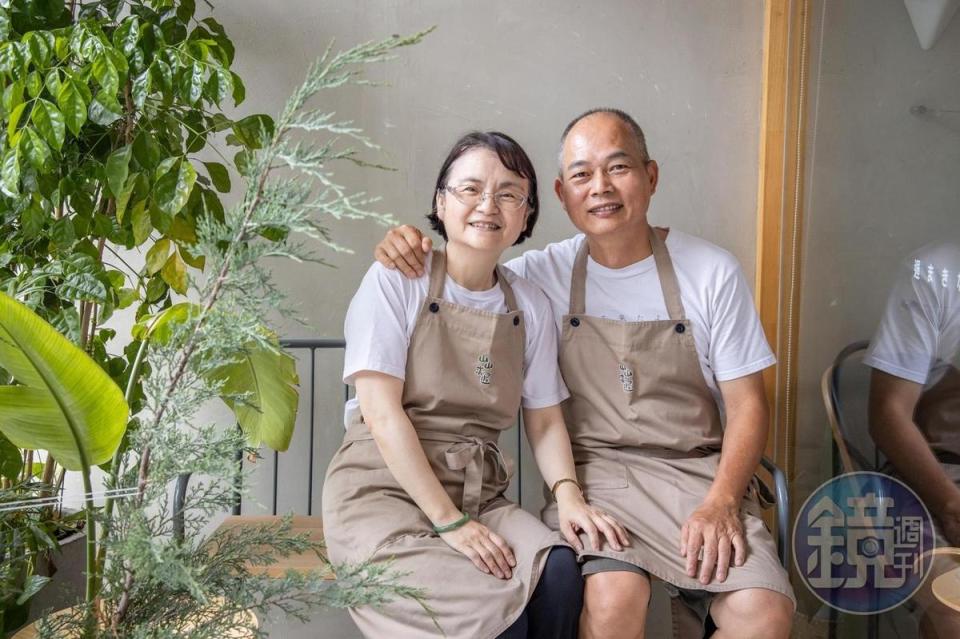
<point>463,387</point>
<point>646,434</point>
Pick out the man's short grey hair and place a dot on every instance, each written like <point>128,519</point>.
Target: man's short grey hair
<point>623,116</point>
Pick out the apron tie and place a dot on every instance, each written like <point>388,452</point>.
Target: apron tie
<point>469,456</point>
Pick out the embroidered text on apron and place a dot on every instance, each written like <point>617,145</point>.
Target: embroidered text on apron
<point>646,434</point>
<point>463,384</point>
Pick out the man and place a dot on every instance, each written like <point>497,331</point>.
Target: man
<point>658,333</point>
<point>915,402</point>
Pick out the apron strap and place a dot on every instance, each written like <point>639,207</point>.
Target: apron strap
<point>668,277</point>
<point>438,276</point>
<point>438,273</point>
<point>578,280</point>
<point>466,453</point>
<point>665,271</point>
<point>508,297</point>
<point>469,457</point>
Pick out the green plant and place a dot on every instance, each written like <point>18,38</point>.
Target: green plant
<point>104,109</point>
<point>142,580</point>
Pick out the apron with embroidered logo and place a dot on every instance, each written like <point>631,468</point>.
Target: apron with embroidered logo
<point>646,434</point>
<point>463,383</point>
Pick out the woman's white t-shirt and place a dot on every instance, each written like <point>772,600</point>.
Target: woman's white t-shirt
<point>716,298</point>
<point>383,314</point>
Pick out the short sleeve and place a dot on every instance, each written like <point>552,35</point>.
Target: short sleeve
<point>905,344</point>
<point>542,383</point>
<point>375,327</point>
<point>738,346</point>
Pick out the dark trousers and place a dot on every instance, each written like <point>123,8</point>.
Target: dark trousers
<point>554,609</point>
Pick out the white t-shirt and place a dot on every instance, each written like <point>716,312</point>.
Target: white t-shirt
<point>727,331</point>
<point>384,311</point>
<point>919,335</point>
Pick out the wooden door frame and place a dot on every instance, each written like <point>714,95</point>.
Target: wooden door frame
<point>780,210</point>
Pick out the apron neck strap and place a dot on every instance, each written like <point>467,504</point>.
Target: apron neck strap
<point>578,280</point>
<point>438,273</point>
<point>438,276</point>
<point>668,277</point>
<point>508,297</point>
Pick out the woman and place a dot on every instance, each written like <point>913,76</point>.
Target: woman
<point>441,365</point>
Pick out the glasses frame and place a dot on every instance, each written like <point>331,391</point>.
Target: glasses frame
<point>483,196</point>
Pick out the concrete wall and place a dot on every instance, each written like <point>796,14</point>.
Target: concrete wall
<point>688,71</point>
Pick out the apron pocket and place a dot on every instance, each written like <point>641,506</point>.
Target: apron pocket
<point>602,474</point>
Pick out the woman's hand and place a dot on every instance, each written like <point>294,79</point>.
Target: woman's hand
<point>488,551</point>
<point>578,516</point>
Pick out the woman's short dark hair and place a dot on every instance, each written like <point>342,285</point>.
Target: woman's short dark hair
<point>512,156</point>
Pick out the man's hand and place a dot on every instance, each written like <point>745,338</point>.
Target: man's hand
<point>716,528</point>
<point>404,248</point>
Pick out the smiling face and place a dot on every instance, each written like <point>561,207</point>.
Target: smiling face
<point>605,181</point>
<point>484,226</point>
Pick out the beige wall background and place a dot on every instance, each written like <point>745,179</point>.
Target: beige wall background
<point>688,71</point>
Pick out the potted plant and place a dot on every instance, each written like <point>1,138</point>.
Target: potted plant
<point>105,105</point>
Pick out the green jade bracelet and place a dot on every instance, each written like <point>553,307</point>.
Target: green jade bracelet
<point>452,526</point>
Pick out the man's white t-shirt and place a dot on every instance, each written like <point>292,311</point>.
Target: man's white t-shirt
<point>919,335</point>
<point>716,298</point>
<point>384,311</point>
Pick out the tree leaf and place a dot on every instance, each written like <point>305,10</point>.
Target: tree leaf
<point>83,286</point>
<point>14,121</point>
<point>105,110</point>
<point>220,85</point>
<point>196,261</point>
<point>174,273</point>
<point>32,219</point>
<point>34,84</point>
<point>65,403</point>
<point>123,198</point>
<point>254,130</point>
<point>106,74</point>
<point>239,91</point>
<point>52,82</point>
<point>191,82</point>
<point>140,219</point>
<point>34,149</point>
<point>219,175</point>
<point>159,327</point>
<point>33,585</point>
<point>173,188</point>
<point>146,151</point>
<point>261,389</point>
<point>157,255</point>
<point>11,463</point>
<point>72,105</point>
<point>40,46</point>
<point>4,25</point>
<point>50,123</point>
<point>126,36</point>
<point>117,168</point>
<point>10,173</point>
<point>185,10</point>
<point>141,89</point>
<point>11,58</point>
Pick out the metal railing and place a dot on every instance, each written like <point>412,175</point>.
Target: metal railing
<point>314,344</point>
